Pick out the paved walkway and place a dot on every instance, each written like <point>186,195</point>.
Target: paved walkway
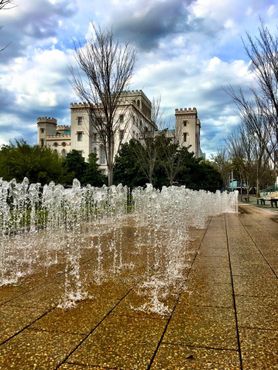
<point>226,319</point>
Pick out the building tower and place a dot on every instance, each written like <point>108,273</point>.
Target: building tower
<point>46,127</point>
<point>188,129</point>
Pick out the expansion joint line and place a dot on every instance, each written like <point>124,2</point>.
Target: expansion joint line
<point>233,292</point>
<point>27,326</point>
<point>92,330</point>
<point>259,250</point>
<point>177,301</point>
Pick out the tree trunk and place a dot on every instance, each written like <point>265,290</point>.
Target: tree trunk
<point>257,185</point>
<point>110,176</point>
<point>240,179</point>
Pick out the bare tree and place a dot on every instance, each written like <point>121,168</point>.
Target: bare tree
<point>259,112</point>
<point>239,151</point>
<point>5,3</point>
<point>222,163</point>
<point>105,69</point>
<point>249,157</point>
<point>148,149</point>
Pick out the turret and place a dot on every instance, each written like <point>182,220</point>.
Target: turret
<point>46,126</point>
<point>188,129</point>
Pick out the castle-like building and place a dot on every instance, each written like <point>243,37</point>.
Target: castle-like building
<point>133,117</point>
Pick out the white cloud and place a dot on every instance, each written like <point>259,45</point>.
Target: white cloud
<point>271,10</point>
<point>188,64</point>
<point>39,81</point>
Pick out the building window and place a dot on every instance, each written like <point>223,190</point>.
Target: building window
<point>79,136</point>
<point>121,135</point>
<point>121,118</point>
<point>184,123</point>
<point>42,130</point>
<point>138,103</point>
<point>63,143</point>
<point>63,152</point>
<point>79,120</point>
<point>42,142</point>
<point>55,144</point>
<point>102,158</point>
<point>185,136</point>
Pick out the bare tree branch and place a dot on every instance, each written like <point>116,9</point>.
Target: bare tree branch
<point>4,3</point>
<point>259,112</point>
<point>105,69</point>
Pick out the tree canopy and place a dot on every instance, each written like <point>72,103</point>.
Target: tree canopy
<point>193,172</point>
<point>41,164</point>
<point>19,160</point>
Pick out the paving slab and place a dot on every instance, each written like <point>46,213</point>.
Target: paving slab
<point>171,357</point>
<point>15,318</point>
<point>120,342</point>
<point>222,313</point>
<point>32,349</point>
<point>80,319</point>
<point>253,313</point>
<point>210,275</point>
<point>137,304</point>
<point>256,286</point>
<point>71,366</point>
<point>259,348</point>
<point>45,296</point>
<point>202,327</point>
<point>247,268</point>
<point>9,292</point>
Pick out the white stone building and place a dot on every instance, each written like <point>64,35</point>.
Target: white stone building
<point>188,128</point>
<point>133,117</point>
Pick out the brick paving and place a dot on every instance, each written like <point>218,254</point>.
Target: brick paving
<point>226,318</point>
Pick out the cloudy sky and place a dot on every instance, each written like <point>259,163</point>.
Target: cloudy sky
<point>187,52</point>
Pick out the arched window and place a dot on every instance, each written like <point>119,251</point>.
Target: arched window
<point>55,144</point>
<point>64,144</point>
<point>63,152</point>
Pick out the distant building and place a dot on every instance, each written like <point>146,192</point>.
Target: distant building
<point>133,117</point>
<point>188,128</point>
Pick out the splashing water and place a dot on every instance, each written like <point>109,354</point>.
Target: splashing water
<point>101,228</point>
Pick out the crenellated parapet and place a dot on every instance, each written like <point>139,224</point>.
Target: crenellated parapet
<point>63,127</point>
<point>136,93</point>
<point>79,105</point>
<point>58,137</point>
<point>51,120</point>
<point>132,92</point>
<point>186,111</point>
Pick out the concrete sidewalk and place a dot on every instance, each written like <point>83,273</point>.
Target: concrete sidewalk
<point>226,318</point>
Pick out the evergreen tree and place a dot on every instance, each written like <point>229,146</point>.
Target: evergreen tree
<point>19,160</point>
<point>127,170</point>
<point>74,167</point>
<point>93,175</point>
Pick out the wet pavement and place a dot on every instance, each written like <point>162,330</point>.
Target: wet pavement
<point>225,316</point>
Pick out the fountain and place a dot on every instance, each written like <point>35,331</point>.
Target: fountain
<point>146,237</point>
